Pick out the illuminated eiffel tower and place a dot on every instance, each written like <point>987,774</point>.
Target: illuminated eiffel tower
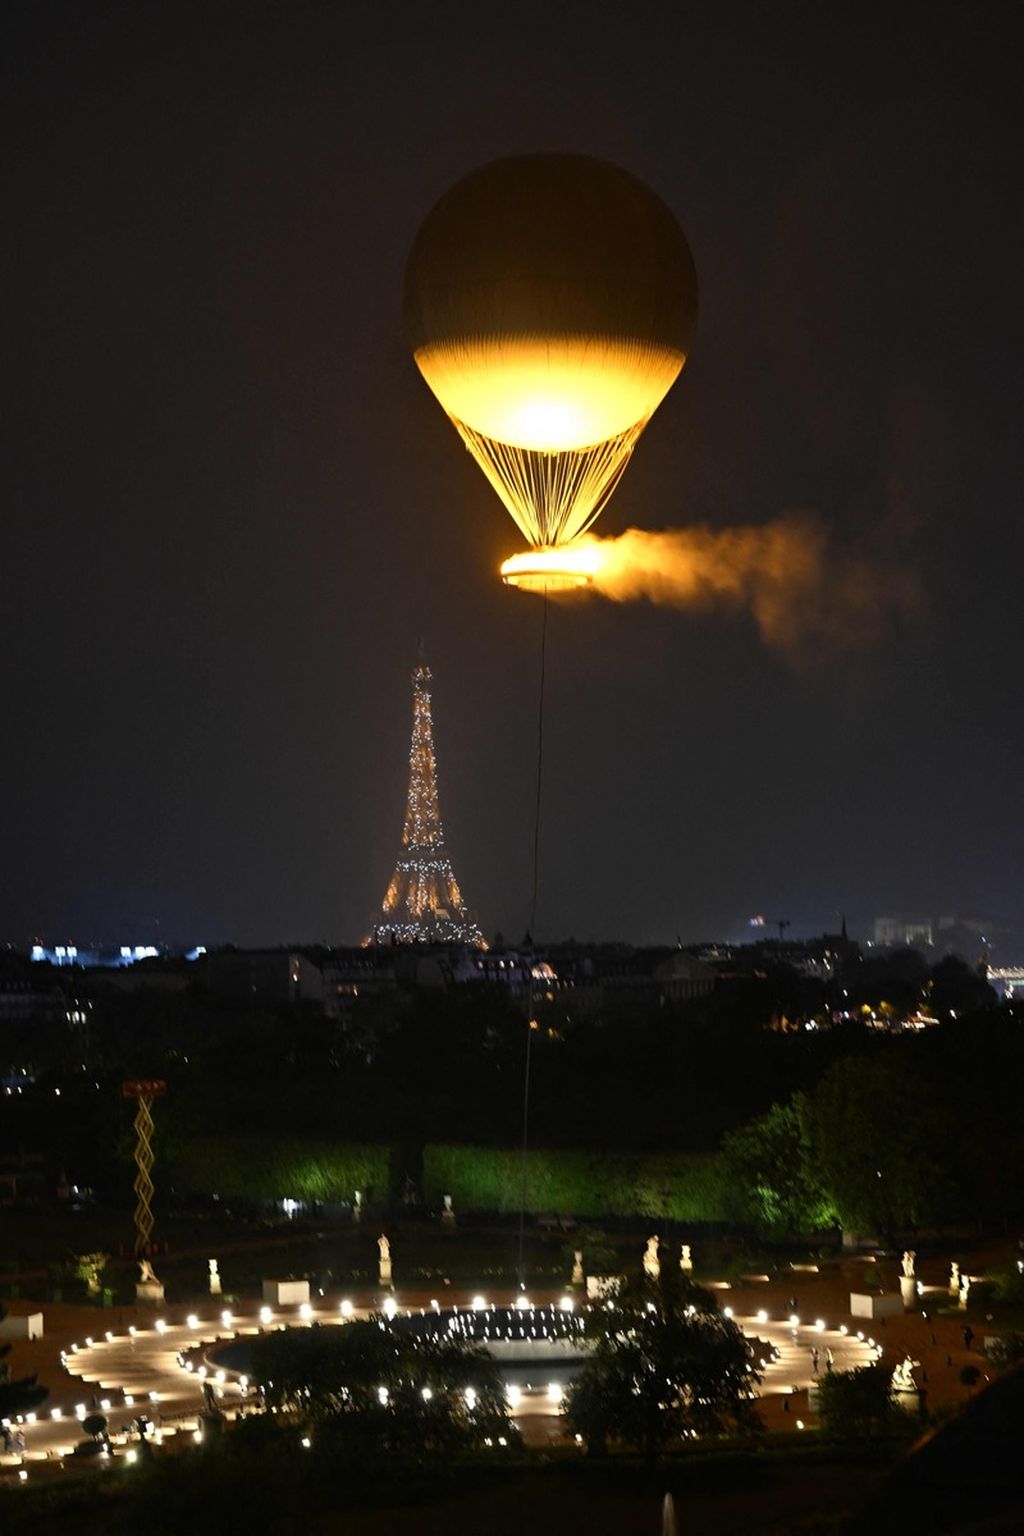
<point>423,904</point>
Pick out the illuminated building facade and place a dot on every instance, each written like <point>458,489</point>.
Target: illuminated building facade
<point>423,903</point>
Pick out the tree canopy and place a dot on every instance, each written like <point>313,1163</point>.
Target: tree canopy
<point>370,1390</point>
<point>665,1364</point>
<point>859,1404</point>
<point>773,1175</point>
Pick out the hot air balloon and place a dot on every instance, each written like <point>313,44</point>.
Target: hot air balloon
<point>550,303</point>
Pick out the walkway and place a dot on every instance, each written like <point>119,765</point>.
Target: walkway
<point>157,1368</point>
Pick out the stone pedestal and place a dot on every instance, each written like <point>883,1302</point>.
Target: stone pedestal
<point>150,1293</point>
<point>908,1290</point>
<point>866,1304</point>
<point>25,1325</point>
<point>285,1293</point>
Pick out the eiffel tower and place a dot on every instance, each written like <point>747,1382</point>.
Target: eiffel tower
<point>423,904</point>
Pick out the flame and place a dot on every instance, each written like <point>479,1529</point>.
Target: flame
<point>803,589</point>
<point>560,568</point>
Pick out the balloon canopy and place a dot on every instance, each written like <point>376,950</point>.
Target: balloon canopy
<point>550,302</point>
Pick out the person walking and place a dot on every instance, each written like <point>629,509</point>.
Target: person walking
<point>815,1357</point>
<point>968,1333</point>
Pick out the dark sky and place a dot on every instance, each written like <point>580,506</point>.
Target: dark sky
<point>232,507</point>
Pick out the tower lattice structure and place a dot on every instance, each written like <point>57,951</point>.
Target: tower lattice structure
<point>144,1093</point>
<point>423,903</point>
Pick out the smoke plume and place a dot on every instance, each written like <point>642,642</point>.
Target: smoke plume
<point>809,595</point>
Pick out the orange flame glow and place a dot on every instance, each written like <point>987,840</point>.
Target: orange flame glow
<point>802,590</point>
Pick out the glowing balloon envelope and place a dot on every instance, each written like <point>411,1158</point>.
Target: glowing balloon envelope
<point>550,302</point>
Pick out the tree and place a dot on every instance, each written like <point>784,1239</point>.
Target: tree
<point>898,977</point>
<point>17,1395</point>
<point>87,1268</point>
<point>371,1391</point>
<point>879,1131</point>
<point>957,988</point>
<point>665,1364</point>
<point>598,1253</point>
<point>773,1174</point>
<point>858,1404</point>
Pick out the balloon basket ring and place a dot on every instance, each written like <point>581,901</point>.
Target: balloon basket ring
<point>551,569</point>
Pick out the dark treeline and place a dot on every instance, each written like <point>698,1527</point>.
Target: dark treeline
<point>447,1065</point>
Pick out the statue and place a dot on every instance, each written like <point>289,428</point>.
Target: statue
<point>652,1264</point>
<point>954,1278</point>
<point>685,1259</point>
<point>903,1375</point>
<point>214,1277</point>
<point>148,1288</point>
<point>448,1214</point>
<point>909,1255</point>
<point>577,1267</point>
<point>384,1261</point>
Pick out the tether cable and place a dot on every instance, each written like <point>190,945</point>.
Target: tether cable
<point>530,1021</point>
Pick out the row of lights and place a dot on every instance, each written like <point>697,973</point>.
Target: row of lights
<point>390,1309</point>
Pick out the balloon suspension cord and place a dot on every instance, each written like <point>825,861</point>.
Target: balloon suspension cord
<point>531,1022</point>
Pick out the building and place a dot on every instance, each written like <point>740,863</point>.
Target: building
<point>275,978</point>
<point>903,933</point>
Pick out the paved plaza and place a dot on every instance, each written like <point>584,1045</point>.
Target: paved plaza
<point>161,1363</point>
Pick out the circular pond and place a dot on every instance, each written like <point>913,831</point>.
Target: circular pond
<point>536,1347</point>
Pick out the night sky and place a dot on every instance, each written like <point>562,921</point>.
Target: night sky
<point>233,508</point>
